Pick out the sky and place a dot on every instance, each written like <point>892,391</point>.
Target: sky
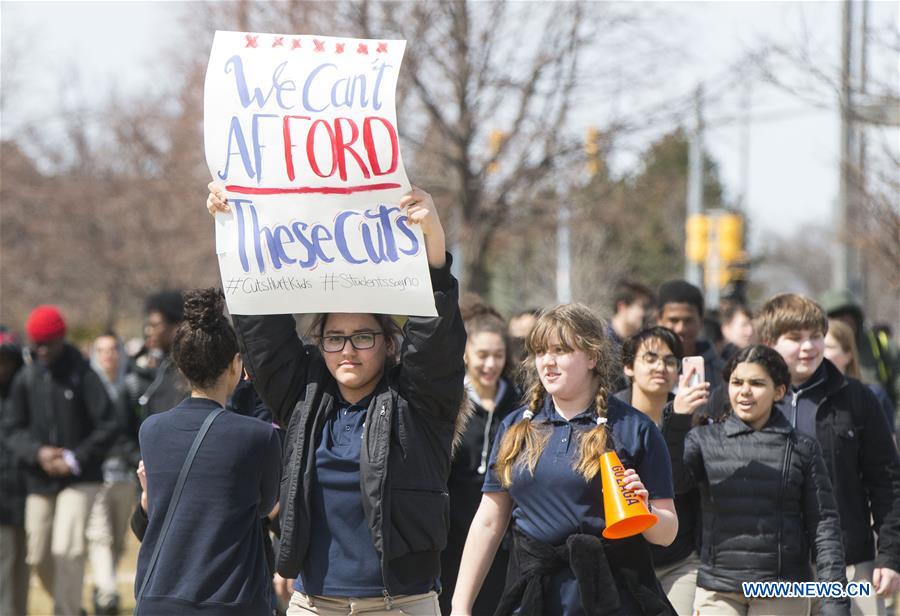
<point>791,172</point>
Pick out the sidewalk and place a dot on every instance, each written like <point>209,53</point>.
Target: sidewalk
<point>40,603</point>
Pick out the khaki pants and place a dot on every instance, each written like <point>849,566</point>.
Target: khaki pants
<point>861,606</point>
<point>106,530</point>
<point>13,571</point>
<point>712,603</point>
<point>55,526</point>
<point>864,606</point>
<point>412,605</point>
<point>679,582</point>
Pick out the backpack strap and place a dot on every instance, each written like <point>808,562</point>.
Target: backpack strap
<point>173,503</point>
<point>879,350</point>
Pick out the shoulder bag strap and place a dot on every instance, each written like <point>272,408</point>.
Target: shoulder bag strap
<point>173,503</point>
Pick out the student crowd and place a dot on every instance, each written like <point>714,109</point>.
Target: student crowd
<point>451,464</point>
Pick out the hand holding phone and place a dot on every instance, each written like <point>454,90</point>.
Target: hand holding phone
<point>693,390</point>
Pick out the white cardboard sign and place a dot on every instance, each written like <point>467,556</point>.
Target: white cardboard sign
<point>302,131</point>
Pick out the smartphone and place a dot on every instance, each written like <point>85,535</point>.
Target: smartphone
<point>696,362</point>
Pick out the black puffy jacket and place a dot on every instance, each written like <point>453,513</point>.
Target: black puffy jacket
<point>767,506</point>
<point>405,458</point>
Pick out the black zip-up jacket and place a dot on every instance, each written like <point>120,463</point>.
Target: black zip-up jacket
<point>63,405</point>
<point>470,464</point>
<point>675,428</point>
<point>767,506</point>
<point>405,458</point>
<point>863,466</point>
<point>615,577</point>
<point>156,390</point>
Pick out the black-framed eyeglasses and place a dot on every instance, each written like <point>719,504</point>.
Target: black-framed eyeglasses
<point>334,343</point>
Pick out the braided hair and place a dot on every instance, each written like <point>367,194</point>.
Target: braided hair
<point>576,328</point>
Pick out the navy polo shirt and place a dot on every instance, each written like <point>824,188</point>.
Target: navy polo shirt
<point>556,501</point>
<point>341,560</point>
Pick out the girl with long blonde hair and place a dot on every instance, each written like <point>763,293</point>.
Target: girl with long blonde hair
<point>544,474</point>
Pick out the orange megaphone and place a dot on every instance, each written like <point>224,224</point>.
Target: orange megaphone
<point>625,513</point>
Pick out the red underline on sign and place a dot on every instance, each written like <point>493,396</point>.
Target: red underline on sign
<point>305,190</point>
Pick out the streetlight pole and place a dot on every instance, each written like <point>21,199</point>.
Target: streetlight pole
<point>695,183</point>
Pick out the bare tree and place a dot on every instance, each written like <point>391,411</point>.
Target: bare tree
<point>487,91</point>
<point>487,95</point>
<point>871,108</point>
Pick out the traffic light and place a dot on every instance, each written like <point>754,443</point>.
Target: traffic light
<point>592,150</point>
<point>495,142</point>
<point>697,233</point>
<point>730,238</point>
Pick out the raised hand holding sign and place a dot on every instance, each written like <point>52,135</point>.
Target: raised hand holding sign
<point>301,139</point>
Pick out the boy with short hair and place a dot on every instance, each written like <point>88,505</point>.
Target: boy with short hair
<point>681,310</point>
<point>60,425</point>
<point>632,302</point>
<point>844,416</point>
<point>737,328</point>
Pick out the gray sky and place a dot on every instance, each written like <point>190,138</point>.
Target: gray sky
<point>793,147</point>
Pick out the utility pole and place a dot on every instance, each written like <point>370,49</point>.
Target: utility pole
<point>563,256</point>
<point>858,274</point>
<point>692,271</point>
<point>842,259</point>
<point>849,267</point>
<point>746,104</point>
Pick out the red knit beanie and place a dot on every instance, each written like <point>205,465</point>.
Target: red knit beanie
<point>45,323</point>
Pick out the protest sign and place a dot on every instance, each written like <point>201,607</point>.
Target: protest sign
<point>302,131</point>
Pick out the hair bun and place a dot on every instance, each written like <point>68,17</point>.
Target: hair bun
<point>204,309</point>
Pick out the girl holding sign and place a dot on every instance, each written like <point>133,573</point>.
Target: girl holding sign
<point>364,503</point>
<point>544,473</point>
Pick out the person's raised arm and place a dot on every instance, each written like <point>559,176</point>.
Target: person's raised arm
<point>432,354</point>
<point>679,419</point>
<point>270,347</point>
<point>485,534</point>
<point>422,212</point>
